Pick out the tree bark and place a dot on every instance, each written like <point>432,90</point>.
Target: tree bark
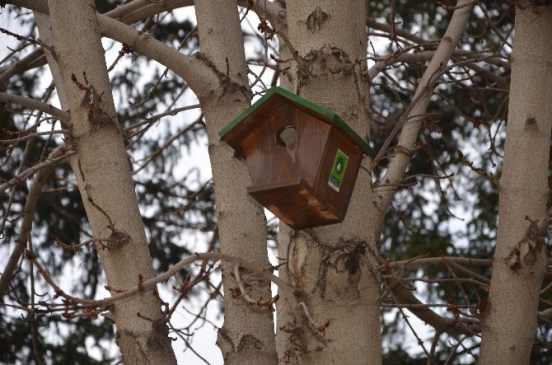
<point>247,336</point>
<point>105,181</point>
<point>519,262</point>
<point>328,37</point>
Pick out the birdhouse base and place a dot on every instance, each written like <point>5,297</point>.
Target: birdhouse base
<point>296,204</point>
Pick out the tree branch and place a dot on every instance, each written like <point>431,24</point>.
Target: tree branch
<point>49,162</point>
<point>150,284</point>
<point>33,59</point>
<point>35,104</point>
<point>411,128</point>
<point>195,71</point>
<point>425,261</point>
<point>28,215</point>
<point>452,326</point>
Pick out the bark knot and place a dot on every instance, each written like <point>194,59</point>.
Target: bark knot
<point>227,85</point>
<point>328,60</point>
<point>92,101</point>
<point>160,332</point>
<point>531,125</point>
<point>316,19</point>
<point>529,248</point>
<point>351,261</point>
<point>249,342</point>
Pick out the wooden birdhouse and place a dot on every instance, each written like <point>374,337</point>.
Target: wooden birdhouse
<point>303,159</point>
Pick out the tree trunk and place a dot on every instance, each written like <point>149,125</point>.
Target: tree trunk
<point>329,37</point>
<point>519,262</point>
<point>105,181</point>
<point>247,336</point>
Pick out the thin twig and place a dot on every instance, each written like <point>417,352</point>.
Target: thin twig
<point>35,104</point>
<point>50,162</point>
<point>57,155</point>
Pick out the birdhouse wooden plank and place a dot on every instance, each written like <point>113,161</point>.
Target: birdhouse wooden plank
<point>302,158</point>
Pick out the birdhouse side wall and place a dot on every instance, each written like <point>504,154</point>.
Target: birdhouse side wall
<point>332,185</point>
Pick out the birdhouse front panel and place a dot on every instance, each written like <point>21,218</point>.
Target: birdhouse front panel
<point>303,159</point>
<point>289,145</point>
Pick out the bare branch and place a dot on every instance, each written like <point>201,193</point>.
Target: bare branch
<point>57,154</point>
<point>421,100</point>
<point>452,326</point>
<point>35,104</point>
<point>33,59</point>
<point>49,162</point>
<point>194,70</point>
<point>240,284</point>
<point>150,284</point>
<point>424,261</point>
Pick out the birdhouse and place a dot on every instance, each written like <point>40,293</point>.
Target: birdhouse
<point>302,158</point>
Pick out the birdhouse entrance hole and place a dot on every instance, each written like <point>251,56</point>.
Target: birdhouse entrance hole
<point>286,135</point>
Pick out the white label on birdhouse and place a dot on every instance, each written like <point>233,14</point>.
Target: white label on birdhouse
<point>338,170</point>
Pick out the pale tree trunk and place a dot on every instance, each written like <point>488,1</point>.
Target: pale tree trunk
<point>284,313</point>
<point>328,37</point>
<point>247,336</point>
<point>105,182</point>
<point>519,262</point>
<point>46,37</point>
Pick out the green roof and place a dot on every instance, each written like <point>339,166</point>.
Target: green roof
<point>270,102</point>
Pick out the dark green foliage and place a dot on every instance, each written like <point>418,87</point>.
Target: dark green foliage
<point>399,356</point>
<point>17,343</point>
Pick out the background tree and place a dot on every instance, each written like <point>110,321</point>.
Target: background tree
<point>520,258</point>
<point>432,96</point>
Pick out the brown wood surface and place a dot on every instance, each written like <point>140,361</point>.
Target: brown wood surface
<point>292,181</point>
<point>295,203</point>
<point>270,162</point>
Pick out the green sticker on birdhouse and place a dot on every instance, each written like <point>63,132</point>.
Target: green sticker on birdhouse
<point>338,170</point>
